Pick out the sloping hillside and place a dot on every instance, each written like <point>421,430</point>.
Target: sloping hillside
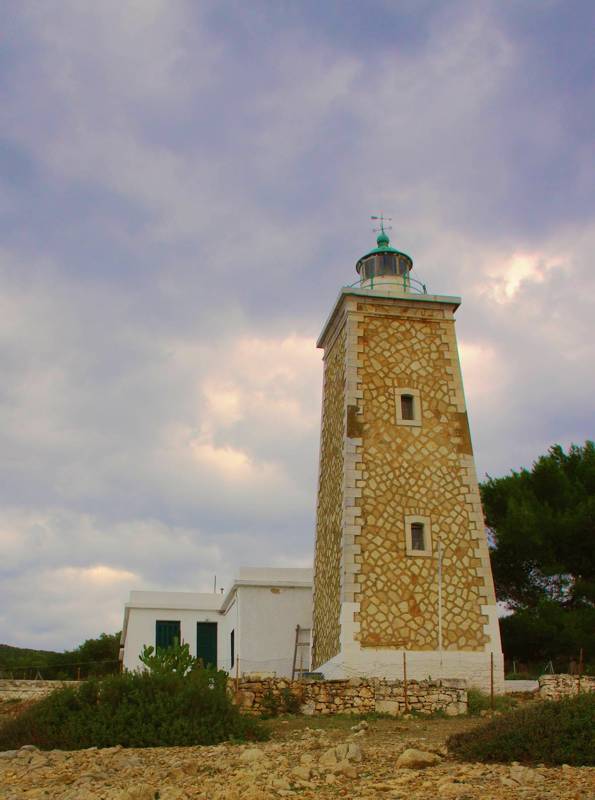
<point>93,657</point>
<point>22,656</point>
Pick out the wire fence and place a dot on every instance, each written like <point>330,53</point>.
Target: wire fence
<point>60,671</point>
<point>520,669</point>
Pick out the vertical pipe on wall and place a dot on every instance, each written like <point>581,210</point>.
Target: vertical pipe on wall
<point>492,682</point>
<point>405,682</point>
<point>440,602</point>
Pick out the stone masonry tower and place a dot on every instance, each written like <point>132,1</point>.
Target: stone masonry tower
<point>401,562</point>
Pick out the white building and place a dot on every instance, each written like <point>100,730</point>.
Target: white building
<point>250,629</point>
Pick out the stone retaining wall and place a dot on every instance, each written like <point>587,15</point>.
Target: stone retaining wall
<point>29,690</point>
<point>355,696</point>
<point>358,696</point>
<point>554,687</point>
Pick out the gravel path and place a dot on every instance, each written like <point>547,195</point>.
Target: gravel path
<point>321,762</point>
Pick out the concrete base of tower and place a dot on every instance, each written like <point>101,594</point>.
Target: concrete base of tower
<point>474,668</point>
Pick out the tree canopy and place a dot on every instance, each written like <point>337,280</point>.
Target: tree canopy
<point>92,657</point>
<point>542,526</point>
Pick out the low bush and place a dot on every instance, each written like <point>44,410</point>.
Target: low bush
<point>271,703</point>
<point>292,703</point>
<point>164,661</point>
<point>478,701</point>
<point>284,702</point>
<point>134,710</point>
<point>522,676</point>
<point>552,732</point>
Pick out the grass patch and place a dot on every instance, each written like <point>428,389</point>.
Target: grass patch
<point>134,710</point>
<point>522,676</point>
<point>478,701</point>
<point>552,732</point>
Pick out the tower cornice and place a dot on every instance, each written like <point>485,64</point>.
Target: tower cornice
<point>398,300</point>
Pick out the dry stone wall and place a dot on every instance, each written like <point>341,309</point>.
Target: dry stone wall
<point>555,687</point>
<point>357,696</point>
<point>29,690</point>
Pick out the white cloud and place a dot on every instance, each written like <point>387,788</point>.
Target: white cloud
<point>99,574</point>
<point>505,278</point>
<point>485,374</point>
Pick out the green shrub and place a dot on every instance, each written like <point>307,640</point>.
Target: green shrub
<point>134,710</point>
<point>552,732</point>
<point>291,702</point>
<point>282,702</point>
<point>164,661</point>
<point>522,676</point>
<point>271,704</point>
<point>478,701</point>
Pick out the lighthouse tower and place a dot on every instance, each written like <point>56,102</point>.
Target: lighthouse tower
<point>401,562</point>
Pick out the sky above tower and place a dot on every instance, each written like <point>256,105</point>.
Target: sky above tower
<point>184,189</point>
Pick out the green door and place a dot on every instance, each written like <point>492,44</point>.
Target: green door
<point>206,643</point>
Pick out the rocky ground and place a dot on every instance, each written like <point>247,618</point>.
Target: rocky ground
<point>306,758</point>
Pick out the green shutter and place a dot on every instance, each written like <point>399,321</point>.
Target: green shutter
<point>206,643</point>
<point>167,633</point>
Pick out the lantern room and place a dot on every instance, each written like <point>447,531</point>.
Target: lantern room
<point>384,261</point>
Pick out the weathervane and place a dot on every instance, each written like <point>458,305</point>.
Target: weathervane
<point>382,219</point>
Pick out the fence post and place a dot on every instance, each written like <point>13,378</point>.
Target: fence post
<point>295,648</point>
<point>580,670</point>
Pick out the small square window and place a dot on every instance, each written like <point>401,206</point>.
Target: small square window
<point>417,536</point>
<point>407,407</point>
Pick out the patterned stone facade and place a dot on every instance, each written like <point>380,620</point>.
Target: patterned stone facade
<point>327,558</point>
<point>419,471</point>
<point>440,602</point>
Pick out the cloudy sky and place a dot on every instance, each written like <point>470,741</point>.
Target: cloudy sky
<point>185,185</point>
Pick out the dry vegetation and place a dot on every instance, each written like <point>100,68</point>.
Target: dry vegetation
<point>298,761</point>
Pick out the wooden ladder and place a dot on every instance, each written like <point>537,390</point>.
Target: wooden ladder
<point>302,639</point>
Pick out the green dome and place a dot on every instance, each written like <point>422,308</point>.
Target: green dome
<point>389,262</point>
<point>383,240</point>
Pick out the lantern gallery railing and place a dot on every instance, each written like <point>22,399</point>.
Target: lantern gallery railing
<point>410,285</point>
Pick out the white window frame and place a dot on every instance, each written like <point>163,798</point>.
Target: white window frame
<point>416,395</point>
<point>425,521</point>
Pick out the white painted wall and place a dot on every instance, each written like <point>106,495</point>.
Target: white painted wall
<point>268,617</point>
<point>145,608</point>
<point>263,608</point>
